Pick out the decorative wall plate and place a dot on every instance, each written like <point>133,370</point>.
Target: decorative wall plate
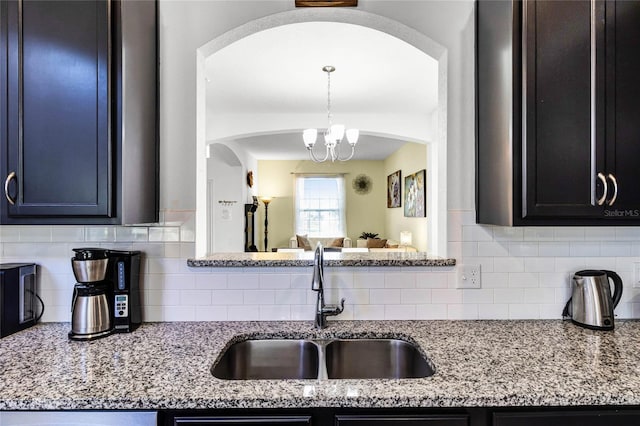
<point>362,184</point>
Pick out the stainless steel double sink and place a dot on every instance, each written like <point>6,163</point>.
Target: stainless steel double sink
<point>322,359</point>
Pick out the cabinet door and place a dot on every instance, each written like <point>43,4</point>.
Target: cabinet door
<point>243,420</point>
<point>408,420</point>
<point>623,105</point>
<point>57,100</point>
<point>569,418</point>
<point>563,144</point>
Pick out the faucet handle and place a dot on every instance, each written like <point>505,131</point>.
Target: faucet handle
<point>332,310</point>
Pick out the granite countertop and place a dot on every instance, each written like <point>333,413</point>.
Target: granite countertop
<point>478,364</point>
<point>285,259</point>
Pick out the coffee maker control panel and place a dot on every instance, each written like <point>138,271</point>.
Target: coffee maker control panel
<point>121,307</point>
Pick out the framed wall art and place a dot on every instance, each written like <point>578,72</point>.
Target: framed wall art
<point>415,194</point>
<point>394,189</point>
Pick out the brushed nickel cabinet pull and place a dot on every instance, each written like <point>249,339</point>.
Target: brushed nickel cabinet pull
<point>602,199</point>
<point>615,189</point>
<point>11,176</point>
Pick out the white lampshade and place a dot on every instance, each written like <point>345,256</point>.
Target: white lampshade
<point>405,238</point>
<point>329,139</point>
<point>352,136</point>
<point>337,131</point>
<point>309,136</point>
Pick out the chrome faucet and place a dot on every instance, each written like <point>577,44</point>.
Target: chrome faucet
<point>322,311</point>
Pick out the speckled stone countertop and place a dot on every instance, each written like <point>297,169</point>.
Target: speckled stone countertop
<point>279,259</point>
<point>478,364</point>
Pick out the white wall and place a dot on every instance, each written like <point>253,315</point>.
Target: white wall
<point>525,271</point>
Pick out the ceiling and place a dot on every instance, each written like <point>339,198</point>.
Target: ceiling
<point>279,72</point>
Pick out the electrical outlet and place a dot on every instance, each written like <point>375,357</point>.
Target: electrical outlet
<point>468,276</point>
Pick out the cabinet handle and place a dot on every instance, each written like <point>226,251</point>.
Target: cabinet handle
<point>600,201</point>
<point>11,176</point>
<point>615,189</point>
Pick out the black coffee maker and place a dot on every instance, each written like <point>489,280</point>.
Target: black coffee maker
<point>123,272</point>
<point>106,298</point>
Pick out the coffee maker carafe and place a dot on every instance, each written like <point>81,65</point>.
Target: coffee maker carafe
<point>90,313</point>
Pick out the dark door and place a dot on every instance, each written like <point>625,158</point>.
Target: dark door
<point>57,100</point>
<point>568,418</point>
<point>623,108</point>
<point>562,109</point>
<point>408,420</point>
<point>244,420</point>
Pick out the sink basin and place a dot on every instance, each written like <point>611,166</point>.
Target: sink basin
<point>375,359</point>
<point>269,359</point>
<point>322,359</point>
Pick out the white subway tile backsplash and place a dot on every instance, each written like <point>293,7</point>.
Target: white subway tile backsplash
<point>523,279</point>
<point>242,313</point>
<point>368,312</point>
<point>431,311</point>
<point>568,234</point>
<point>539,264</point>
<point>211,313</point>
<point>399,312</point>
<point>384,296</point>
<point>477,233</point>
<point>584,249</point>
<point>524,311</point>
<point>275,313</point>
<point>523,249</point>
<point>432,280</point>
<point>553,249</point>
<point>480,295</point>
<point>539,295</point>
<point>227,297</point>
<point>291,297</point>
<point>493,249</point>
<point>368,280</point>
<point>498,311</point>
<point>400,280</point>
<point>259,297</point>
<point>195,297</point>
<point>413,296</point>
<point>508,264</point>
<point>525,274</point>
<point>503,233</point>
<point>508,295</point>
<point>460,311</point>
<point>538,234</point>
<point>439,295</point>
<point>274,281</point>
<point>494,279</point>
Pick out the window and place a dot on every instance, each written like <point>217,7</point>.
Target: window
<point>320,206</point>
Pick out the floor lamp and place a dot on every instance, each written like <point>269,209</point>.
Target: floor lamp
<point>266,201</point>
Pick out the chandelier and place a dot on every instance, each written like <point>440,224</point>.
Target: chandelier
<point>333,135</point>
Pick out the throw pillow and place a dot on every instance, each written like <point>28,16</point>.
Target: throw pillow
<point>303,242</point>
<point>338,242</point>
<point>376,243</point>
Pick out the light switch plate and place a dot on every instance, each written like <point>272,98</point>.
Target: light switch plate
<point>468,276</point>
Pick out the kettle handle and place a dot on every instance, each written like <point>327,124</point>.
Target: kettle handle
<point>617,283</point>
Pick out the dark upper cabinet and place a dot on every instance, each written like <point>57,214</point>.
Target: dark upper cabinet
<point>78,111</point>
<point>555,92</point>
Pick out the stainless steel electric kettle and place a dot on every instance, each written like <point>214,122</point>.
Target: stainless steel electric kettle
<point>591,304</point>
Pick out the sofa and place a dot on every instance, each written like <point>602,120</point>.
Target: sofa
<point>326,242</point>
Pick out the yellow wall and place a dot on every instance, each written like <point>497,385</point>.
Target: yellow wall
<point>365,213</point>
<point>412,157</point>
